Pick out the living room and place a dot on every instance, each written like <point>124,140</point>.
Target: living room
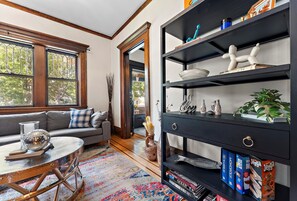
<point>216,85</point>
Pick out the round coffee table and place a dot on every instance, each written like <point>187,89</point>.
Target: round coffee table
<point>62,162</point>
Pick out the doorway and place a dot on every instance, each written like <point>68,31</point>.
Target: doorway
<point>137,87</point>
<point>135,79</point>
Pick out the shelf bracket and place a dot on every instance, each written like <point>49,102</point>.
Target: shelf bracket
<point>216,47</point>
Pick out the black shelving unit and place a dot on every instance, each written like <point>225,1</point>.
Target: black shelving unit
<point>272,141</point>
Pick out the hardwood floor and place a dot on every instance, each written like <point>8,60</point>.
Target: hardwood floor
<point>133,148</point>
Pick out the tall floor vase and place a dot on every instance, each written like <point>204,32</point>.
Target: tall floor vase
<point>110,83</point>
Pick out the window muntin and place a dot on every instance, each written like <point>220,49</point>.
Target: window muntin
<point>62,78</point>
<point>16,74</point>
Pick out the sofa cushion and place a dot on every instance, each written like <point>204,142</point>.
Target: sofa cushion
<point>57,120</point>
<point>9,124</point>
<point>80,118</point>
<point>97,118</point>
<point>10,139</point>
<point>77,132</point>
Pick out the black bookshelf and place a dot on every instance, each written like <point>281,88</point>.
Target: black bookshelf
<point>272,141</point>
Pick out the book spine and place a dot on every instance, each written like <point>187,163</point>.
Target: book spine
<point>183,179</point>
<point>225,165</point>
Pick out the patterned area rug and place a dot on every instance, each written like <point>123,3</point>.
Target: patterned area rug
<point>109,175</point>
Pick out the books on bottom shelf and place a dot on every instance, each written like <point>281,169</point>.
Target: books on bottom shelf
<point>187,186</point>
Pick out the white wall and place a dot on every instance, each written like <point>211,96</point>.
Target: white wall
<point>98,57</point>
<point>157,13</point>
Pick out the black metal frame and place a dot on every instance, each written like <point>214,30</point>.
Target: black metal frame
<point>29,46</point>
<point>76,80</point>
<point>289,72</point>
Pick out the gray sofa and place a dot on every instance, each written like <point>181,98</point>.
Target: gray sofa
<point>56,122</point>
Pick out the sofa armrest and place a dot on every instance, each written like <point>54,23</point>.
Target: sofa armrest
<point>106,130</point>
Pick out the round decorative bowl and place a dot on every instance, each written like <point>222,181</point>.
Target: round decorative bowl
<point>193,73</point>
<point>37,139</point>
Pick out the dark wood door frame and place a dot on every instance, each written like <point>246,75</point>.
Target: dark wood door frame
<point>141,35</point>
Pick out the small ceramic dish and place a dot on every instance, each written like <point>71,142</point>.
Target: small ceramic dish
<point>193,73</point>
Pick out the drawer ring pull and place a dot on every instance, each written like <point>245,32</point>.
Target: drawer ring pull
<point>174,126</point>
<point>248,141</point>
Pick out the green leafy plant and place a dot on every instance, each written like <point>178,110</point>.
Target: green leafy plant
<point>266,103</point>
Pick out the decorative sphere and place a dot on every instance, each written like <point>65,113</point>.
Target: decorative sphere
<point>37,139</point>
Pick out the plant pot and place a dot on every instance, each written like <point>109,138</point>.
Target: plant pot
<point>254,117</point>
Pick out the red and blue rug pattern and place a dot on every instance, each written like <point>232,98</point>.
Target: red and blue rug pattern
<point>112,176</point>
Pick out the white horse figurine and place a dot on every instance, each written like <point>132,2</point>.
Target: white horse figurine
<point>240,59</point>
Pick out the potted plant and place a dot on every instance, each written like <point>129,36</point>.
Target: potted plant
<point>266,104</point>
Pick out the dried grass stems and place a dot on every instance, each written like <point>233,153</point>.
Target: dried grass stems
<point>110,84</point>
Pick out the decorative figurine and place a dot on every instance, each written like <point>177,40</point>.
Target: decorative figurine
<point>212,108</point>
<point>234,59</point>
<point>218,108</point>
<point>203,108</point>
<point>186,105</point>
<point>195,34</point>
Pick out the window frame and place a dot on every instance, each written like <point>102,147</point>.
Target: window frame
<point>76,80</point>
<point>41,41</point>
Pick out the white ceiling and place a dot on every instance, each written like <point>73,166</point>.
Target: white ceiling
<point>103,16</point>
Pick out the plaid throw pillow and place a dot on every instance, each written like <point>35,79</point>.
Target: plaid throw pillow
<point>80,118</point>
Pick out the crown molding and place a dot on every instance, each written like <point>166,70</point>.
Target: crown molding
<point>147,2</point>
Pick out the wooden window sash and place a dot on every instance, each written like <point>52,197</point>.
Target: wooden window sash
<point>40,42</point>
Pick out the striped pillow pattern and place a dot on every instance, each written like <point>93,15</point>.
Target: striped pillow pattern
<point>80,118</point>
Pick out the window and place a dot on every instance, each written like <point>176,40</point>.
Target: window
<point>16,74</point>
<point>62,78</point>
<point>40,72</point>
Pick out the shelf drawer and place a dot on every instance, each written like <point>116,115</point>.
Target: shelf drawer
<point>251,139</point>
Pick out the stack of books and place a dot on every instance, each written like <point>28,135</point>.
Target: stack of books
<point>187,186</point>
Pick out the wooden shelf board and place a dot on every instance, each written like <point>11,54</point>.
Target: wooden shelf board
<point>211,180</point>
<point>269,26</point>
<point>230,119</point>
<point>259,75</point>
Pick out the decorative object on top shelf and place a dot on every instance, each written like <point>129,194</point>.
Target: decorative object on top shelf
<point>37,139</point>
<point>187,3</point>
<point>203,107</point>
<point>110,84</point>
<point>198,162</point>
<point>195,34</point>
<point>260,7</point>
<point>227,22</point>
<point>150,146</point>
<point>218,108</point>
<point>266,103</point>
<point>193,73</point>
<point>186,106</point>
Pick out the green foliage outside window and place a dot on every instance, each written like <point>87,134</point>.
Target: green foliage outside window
<point>16,74</point>
<point>62,83</point>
